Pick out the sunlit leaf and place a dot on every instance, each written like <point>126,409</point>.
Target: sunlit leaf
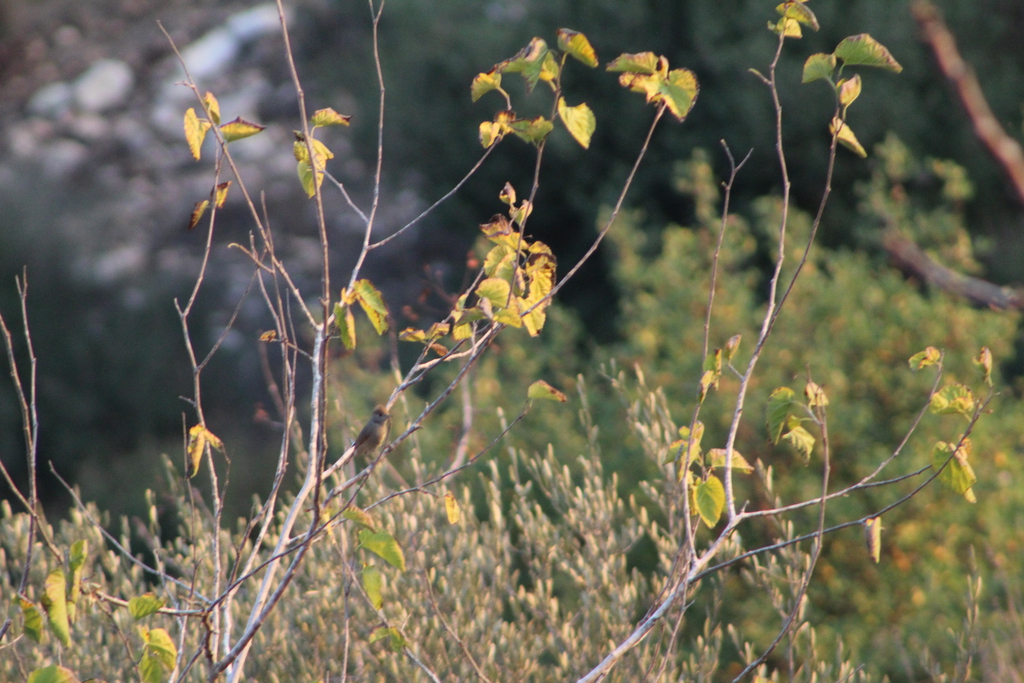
<point>922,359</point>
<point>873,537</point>
<point>849,90</point>
<point>346,324</point>
<point>781,404</point>
<point>815,395</point>
<point>529,62</point>
<point>578,120</point>
<point>494,290</point>
<point>373,582</point>
<point>212,106</point>
<point>641,62</point>
<point>484,83</point>
<point>532,130</point>
<point>798,11</point>
<point>393,640</point>
<point>818,66</point>
<point>543,391</point>
<point>369,297</point>
<point>198,438</point>
<point>197,213</point>
<point>508,194</point>
<point>679,91</point>
<point>957,474</point>
<point>451,508</point>
<point>143,605</point>
<point>800,439</point>
<point>32,620</point>
<point>863,50</point>
<point>195,131</point>
<point>306,178</point>
<point>577,45</point>
<point>329,117</point>
<point>359,516</point>
<point>384,545</point>
<point>158,655</point>
<point>220,193</point>
<point>239,128</point>
<point>710,499</point>
<point>55,603</point>
<point>786,26</point>
<point>953,399</point>
<point>52,674</point>
<point>716,458</point>
<point>846,137</point>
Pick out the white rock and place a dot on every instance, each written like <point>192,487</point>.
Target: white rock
<point>211,54</point>
<point>104,85</point>
<point>255,22</point>
<point>51,100</point>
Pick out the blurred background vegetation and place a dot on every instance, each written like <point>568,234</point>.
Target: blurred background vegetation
<point>111,360</point>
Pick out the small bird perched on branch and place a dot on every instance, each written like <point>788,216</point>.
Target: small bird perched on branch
<point>374,434</point>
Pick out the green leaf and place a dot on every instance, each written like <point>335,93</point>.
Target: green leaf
<point>922,359</point>
<point>957,475</point>
<point>641,62</point>
<point>373,582</point>
<point>529,62</point>
<point>158,654</point>
<point>383,544</point>
<point>953,399</point>
<point>863,50</point>
<point>484,83</point>
<point>33,620</point>
<point>393,640</point>
<point>369,297</point>
<point>818,66</point>
<point>577,45</point>
<point>239,128</point>
<point>780,406</point>
<point>195,132</point>
<point>716,458</point>
<point>786,26</point>
<point>848,90</point>
<point>306,178</point>
<point>532,130</point>
<point>690,444</point>
<point>76,561</point>
<point>359,516</point>
<point>329,117</point>
<point>846,137</point>
<point>800,439</point>
<point>143,605</point>
<point>543,391</point>
<point>55,603</point>
<point>710,499</point>
<point>53,674</point>
<point>679,91</point>
<point>346,324</point>
<point>495,290</point>
<point>873,537</point>
<point>578,120</point>
<point>798,11</point>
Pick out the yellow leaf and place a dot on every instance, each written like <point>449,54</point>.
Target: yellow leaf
<point>329,117</point>
<point>451,507</point>
<point>195,131</point>
<point>239,128</point>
